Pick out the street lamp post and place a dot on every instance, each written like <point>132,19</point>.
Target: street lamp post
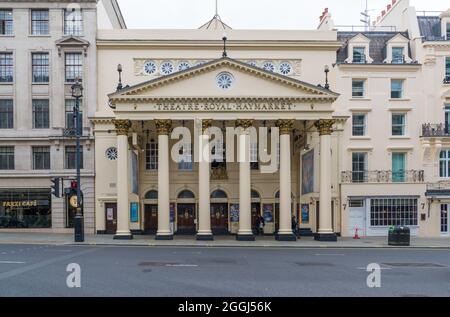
<point>77,93</point>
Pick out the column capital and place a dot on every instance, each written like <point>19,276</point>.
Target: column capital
<point>245,124</point>
<point>325,126</point>
<point>285,126</point>
<point>122,126</point>
<point>163,126</point>
<point>206,124</point>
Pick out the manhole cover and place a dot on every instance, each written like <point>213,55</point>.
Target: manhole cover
<point>314,264</point>
<point>416,265</point>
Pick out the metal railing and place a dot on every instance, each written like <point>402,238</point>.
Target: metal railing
<point>383,177</point>
<point>435,130</point>
<point>365,28</point>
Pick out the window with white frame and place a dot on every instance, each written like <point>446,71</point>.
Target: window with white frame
<point>6,68</point>
<point>398,55</point>
<point>73,67</point>
<point>186,163</point>
<point>448,31</point>
<point>151,156</point>
<point>6,22</point>
<point>70,118</point>
<point>398,124</point>
<point>447,70</point>
<point>359,167</point>
<point>6,158</point>
<point>444,164</point>
<point>41,158</point>
<point>358,88</point>
<point>40,67</point>
<point>73,22</point>
<point>41,114</point>
<point>40,22</point>
<point>359,124</point>
<point>397,88</point>
<point>6,114</point>
<point>359,55</point>
<point>444,218</point>
<point>385,212</point>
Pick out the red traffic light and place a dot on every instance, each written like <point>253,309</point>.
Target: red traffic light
<point>74,185</point>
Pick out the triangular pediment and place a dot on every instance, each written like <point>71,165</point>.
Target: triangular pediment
<point>398,38</point>
<point>359,38</point>
<point>72,41</point>
<point>248,82</point>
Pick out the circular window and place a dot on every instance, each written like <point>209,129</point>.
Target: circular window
<point>111,154</point>
<point>269,66</point>
<point>285,68</point>
<point>224,80</point>
<point>167,68</point>
<point>149,67</point>
<point>183,66</point>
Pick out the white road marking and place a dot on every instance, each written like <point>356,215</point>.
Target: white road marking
<point>181,265</point>
<point>11,262</point>
<point>365,268</point>
<point>318,254</point>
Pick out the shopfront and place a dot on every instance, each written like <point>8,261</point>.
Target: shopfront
<point>25,208</point>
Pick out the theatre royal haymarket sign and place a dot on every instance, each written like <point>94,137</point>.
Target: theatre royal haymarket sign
<point>223,106</point>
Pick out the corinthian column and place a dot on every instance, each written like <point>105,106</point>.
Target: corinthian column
<point>164,231</point>
<point>204,228</point>
<point>285,231</point>
<point>123,215</point>
<point>325,224</point>
<point>245,232</point>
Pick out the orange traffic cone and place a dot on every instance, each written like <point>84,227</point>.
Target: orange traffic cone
<point>356,237</point>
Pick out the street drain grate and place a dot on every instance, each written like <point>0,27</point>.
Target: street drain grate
<point>322,264</point>
<point>416,265</point>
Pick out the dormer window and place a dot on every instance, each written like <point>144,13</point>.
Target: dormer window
<point>398,55</point>
<point>359,55</point>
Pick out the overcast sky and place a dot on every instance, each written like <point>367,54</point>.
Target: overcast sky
<point>254,14</point>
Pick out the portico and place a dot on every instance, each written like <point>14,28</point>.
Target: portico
<point>255,98</point>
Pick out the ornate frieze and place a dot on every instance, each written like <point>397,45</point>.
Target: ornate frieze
<point>325,127</point>
<point>163,127</point>
<point>122,126</point>
<point>162,67</point>
<point>285,126</point>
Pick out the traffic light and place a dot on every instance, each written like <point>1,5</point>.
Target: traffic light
<point>74,185</point>
<point>56,187</point>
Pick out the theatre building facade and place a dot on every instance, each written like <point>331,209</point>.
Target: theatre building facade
<point>260,81</point>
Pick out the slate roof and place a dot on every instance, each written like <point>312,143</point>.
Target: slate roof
<point>378,43</point>
<point>430,28</point>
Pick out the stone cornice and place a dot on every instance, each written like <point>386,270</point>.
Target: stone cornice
<point>381,67</point>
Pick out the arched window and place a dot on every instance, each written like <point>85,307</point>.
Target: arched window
<point>153,194</point>
<point>255,195</point>
<point>444,164</point>
<point>277,195</point>
<point>219,194</point>
<point>186,194</point>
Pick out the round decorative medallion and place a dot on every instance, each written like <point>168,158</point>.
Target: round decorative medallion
<point>111,154</point>
<point>198,63</point>
<point>183,65</point>
<point>268,66</point>
<point>149,67</point>
<point>285,68</point>
<point>252,63</point>
<point>167,68</point>
<point>224,80</point>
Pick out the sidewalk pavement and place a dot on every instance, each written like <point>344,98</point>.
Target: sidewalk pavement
<point>220,241</point>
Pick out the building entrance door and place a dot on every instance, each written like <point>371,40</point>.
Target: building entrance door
<point>357,218</point>
<point>186,219</point>
<point>219,219</point>
<point>151,219</point>
<point>445,220</point>
<point>111,218</point>
<point>256,211</point>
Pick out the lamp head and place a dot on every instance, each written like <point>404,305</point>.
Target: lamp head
<point>77,89</point>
